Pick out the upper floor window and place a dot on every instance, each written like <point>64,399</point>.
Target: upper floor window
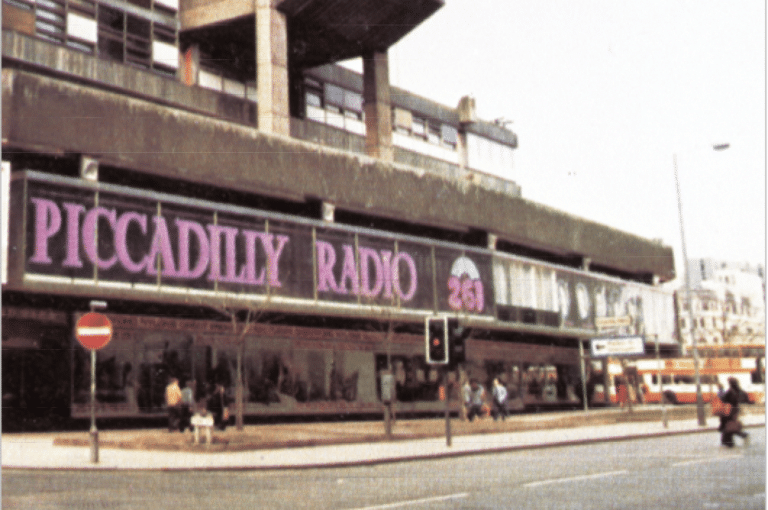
<point>110,32</point>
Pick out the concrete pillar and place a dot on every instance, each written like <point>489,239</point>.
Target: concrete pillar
<point>272,69</point>
<point>467,115</point>
<point>378,106</point>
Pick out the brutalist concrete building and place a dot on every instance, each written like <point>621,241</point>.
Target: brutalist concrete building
<point>255,215</point>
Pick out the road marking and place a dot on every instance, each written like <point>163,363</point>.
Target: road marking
<point>707,460</point>
<point>415,501</point>
<point>576,478</point>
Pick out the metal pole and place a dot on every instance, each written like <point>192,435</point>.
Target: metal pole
<point>694,343</point>
<point>583,376</point>
<point>94,434</point>
<point>448,439</point>
<point>661,387</point>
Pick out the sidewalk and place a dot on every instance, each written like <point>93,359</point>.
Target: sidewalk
<point>287,446</point>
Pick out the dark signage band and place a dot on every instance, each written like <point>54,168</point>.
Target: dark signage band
<point>83,233</point>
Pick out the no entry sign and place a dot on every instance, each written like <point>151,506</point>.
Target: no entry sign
<point>93,331</point>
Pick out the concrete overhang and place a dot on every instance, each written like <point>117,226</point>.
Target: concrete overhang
<point>319,31</point>
<point>55,116</point>
<point>325,31</point>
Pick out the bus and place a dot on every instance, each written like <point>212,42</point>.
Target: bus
<point>678,382</point>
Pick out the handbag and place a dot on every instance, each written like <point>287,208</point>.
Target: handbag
<point>732,426</point>
<point>720,408</point>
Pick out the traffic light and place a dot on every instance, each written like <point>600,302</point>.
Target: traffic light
<point>457,335</point>
<point>436,340</point>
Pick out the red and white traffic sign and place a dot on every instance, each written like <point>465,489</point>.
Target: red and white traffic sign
<point>93,331</point>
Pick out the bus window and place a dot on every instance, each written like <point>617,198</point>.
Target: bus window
<point>665,379</point>
<point>684,379</point>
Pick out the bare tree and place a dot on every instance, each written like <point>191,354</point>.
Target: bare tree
<point>243,317</point>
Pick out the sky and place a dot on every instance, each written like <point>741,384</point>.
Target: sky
<point>605,96</point>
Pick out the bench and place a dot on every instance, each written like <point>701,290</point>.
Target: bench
<point>199,421</point>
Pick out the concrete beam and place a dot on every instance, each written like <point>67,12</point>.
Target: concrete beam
<point>194,15</point>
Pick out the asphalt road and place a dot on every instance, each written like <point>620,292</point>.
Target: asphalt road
<point>678,472</point>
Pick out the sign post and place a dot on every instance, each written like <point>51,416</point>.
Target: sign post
<point>94,331</point>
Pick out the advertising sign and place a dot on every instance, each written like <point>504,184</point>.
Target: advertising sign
<point>116,234</point>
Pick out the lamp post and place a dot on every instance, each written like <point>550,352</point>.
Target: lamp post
<point>694,343</point>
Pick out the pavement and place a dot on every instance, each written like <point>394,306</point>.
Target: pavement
<point>335,444</point>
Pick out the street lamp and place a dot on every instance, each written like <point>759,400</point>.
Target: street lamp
<point>694,343</point>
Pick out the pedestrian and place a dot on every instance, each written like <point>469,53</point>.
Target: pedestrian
<point>466,392</point>
<point>731,425</point>
<point>187,405</point>
<point>622,392</point>
<point>173,404</point>
<point>499,393</point>
<point>218,406</point>
<point>477,399</point>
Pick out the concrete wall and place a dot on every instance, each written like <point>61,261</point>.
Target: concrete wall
<point>57,116</point>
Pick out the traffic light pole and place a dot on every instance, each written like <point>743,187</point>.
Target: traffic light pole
<point>448,438</point>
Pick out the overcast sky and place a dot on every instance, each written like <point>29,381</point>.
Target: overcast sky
<point>602,94</point>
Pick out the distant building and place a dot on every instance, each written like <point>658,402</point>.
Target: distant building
<point>728,304</point>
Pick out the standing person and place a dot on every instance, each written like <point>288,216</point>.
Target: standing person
<point>173,403</point>
<point>217,405</point>
<point>477,399</point>
<point>731,425</point>
<point>187,405</point>
<point>622,392</point>
<point>466,392</point>
<point>499,393</point>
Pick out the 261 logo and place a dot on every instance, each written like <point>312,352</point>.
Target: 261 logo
<point>465,287</point>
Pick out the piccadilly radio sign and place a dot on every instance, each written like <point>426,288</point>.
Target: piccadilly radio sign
<point>132,237</point>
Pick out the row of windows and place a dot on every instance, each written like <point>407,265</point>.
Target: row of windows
<point>332,104</point>
<point>684,379</point>
<point>108,32</point>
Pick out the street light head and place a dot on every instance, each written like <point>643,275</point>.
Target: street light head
<point>721,146</point>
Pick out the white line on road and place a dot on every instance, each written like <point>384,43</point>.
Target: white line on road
<point>706,460</point>
<point>415,501</point>
<point>576,478</point>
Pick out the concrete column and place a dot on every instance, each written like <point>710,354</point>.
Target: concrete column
<point>378,106</point>
<point>467,115</point>
<point>272,69</point>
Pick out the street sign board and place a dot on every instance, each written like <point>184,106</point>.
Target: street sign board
<point>619,346</point>
<point>93,331</point>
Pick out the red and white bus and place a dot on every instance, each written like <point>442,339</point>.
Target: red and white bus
<point>678,383</point>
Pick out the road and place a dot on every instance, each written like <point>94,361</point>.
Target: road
<point>680,472</point>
